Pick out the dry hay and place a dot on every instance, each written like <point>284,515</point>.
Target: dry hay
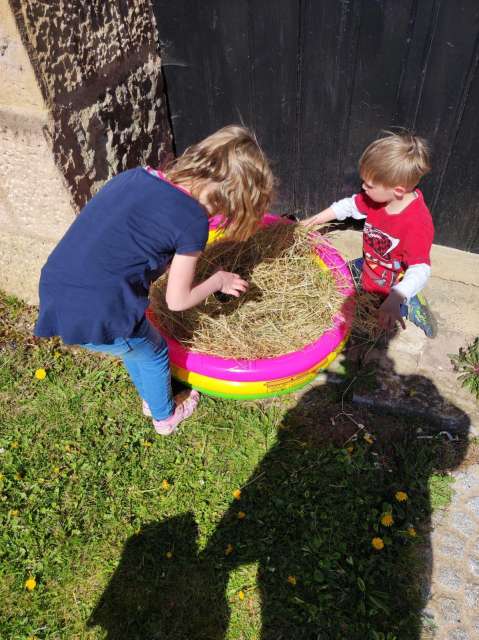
<point>365,323</point>
<point>289,304</point>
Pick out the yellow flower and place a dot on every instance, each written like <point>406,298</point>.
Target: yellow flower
<point>146,443</point>
<point>368,438</point>
<point>57,355</point>
<point>169,555</point>
<point>387,519</point>
<point>40,374</point>
<point>56,470</point>
<point>229,550</point>
<point>377,543</point>
<point>241,595</point>
<point>14,513</point>
<point>292,580</point>
<point>165,485</point>
<point>237,494</point>
<point>30,584</point>
<point>401,496</point>
<point>14,445</point>
<point>241,515</point>
<point>412,532</point>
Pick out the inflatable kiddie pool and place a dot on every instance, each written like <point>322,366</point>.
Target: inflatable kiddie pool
<point>266,377</point>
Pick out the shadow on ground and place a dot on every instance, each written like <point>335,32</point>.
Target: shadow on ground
<point>313,508</point>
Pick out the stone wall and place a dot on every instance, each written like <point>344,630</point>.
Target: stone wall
<point>81,98</point>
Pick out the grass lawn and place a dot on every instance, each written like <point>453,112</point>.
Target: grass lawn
<point>256,521</point>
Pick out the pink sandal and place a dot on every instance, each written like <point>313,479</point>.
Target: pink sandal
<point>186,402</point>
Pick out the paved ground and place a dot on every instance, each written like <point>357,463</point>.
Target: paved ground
<point>417,376</point>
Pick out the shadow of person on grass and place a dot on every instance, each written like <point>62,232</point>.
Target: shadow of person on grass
<point>313,507</point>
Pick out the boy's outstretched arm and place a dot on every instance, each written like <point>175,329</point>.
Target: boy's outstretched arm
<point>327,215</point>
<point>340,210</point>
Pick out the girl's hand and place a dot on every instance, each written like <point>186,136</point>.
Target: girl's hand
<point>231,283</point>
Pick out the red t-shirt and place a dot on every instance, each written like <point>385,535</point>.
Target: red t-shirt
<point>393,242</point>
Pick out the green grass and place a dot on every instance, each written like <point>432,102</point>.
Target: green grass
<point>84,510</point>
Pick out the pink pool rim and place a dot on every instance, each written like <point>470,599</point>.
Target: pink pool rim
<point>291,364</point>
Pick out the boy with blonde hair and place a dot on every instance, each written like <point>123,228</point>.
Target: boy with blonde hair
<point>398,230</point>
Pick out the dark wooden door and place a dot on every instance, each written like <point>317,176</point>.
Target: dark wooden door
<point>319,79</point>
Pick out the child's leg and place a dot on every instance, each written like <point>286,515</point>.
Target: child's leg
<point>356,267</point>
<point>421,315</point>
<point>149,368</point>
<point>120,348</point>
<point>150,354</point>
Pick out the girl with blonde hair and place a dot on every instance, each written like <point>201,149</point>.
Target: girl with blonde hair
<point>94,285</point>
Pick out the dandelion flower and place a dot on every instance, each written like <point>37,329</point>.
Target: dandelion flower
<point>241,515</point>
<point>229,550</point>
<point>237,494</point>
<point>40,374</point>
<point>368,438</point>
<point>169,555</point>
<point>401,496</point>
<point>377,543</point>
<point>146,443</point>
<point>292,580</point>
<point>14,513</point>
<point>241,595</point>
<point>412,532</point>
<point>387,519</point>
<point>14,445</point>
<point>30,584</point>
<point>165,485</point>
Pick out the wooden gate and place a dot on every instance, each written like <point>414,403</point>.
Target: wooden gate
<point>318,80</point>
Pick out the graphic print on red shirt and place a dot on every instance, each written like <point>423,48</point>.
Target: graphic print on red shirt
<point>393,242</point>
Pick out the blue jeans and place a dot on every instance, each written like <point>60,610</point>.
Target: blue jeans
<point>145,356</point>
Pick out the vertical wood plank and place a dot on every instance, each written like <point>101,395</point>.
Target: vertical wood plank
<point>381,51</point>
<point>457,205</point>
<point>328,39</point>
<point>446,84</point>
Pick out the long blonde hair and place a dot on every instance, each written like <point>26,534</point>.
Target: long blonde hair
<point>232,161</point>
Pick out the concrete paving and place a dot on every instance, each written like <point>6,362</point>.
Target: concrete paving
<point>417,375</point>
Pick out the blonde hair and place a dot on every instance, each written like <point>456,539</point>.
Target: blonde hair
<point>397,159</point>
<point>231,160</point>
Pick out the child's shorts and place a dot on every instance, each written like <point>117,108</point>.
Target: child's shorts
<point>416,311</point>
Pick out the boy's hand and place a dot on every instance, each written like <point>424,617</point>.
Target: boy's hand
<point>327,215</point>
<point>231,283</point>
<point>390,312</point>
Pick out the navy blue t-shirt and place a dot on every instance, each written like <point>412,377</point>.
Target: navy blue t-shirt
<point>94,285</point>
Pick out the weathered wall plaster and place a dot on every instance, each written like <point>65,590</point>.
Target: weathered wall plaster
<point>81,99</point>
